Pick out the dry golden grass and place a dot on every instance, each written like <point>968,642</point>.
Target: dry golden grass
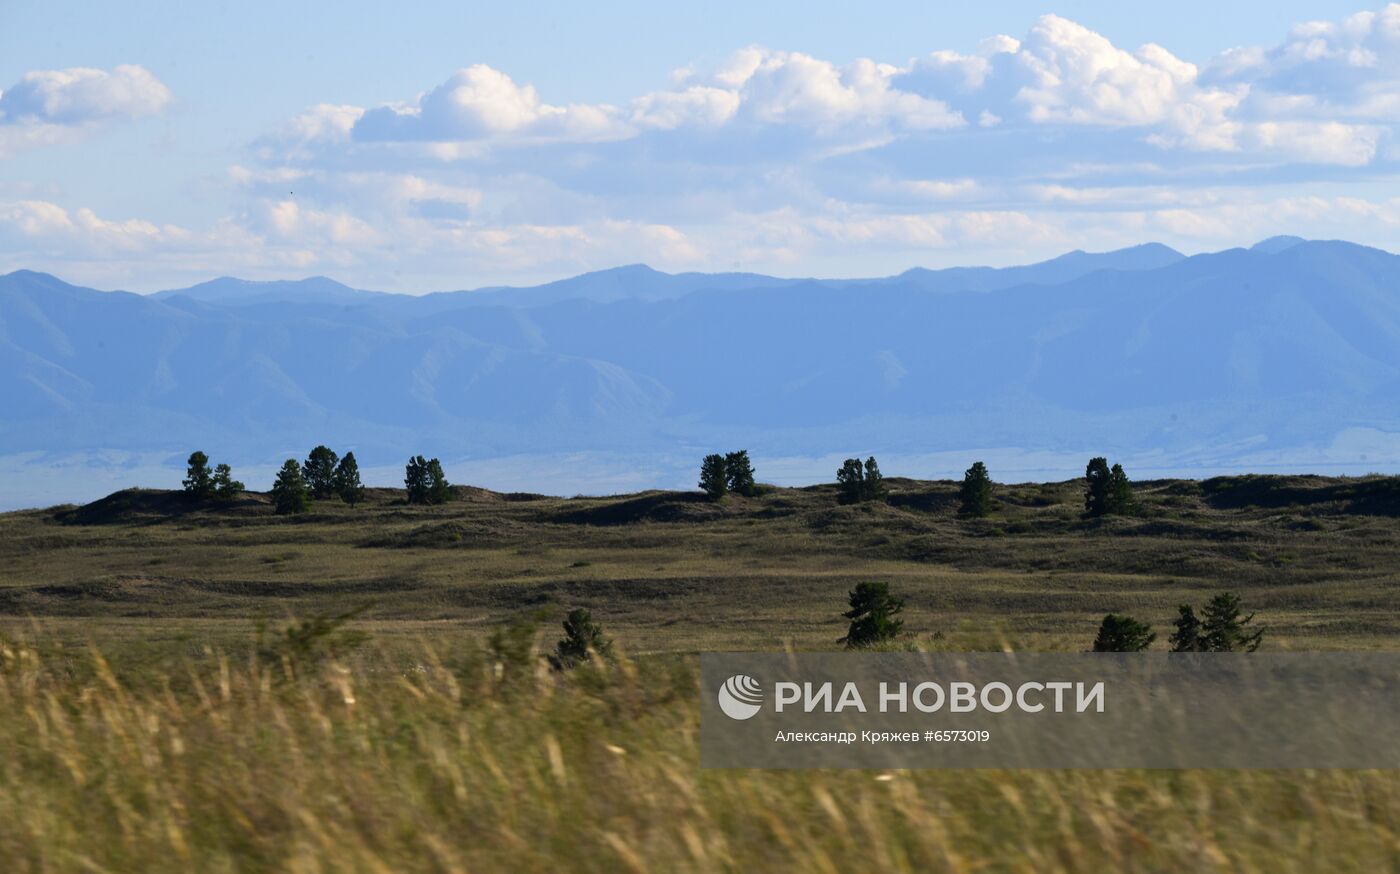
<point>416,760</point>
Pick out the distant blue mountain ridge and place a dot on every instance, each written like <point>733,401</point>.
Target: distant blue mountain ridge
<point>1137,352</point>
<point>640,282</point>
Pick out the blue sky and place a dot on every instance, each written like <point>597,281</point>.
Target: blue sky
<point>146,145</point>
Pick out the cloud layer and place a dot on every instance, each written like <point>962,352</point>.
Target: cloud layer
<point>779,160</point>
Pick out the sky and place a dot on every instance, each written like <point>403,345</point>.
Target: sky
<point>433,146</point>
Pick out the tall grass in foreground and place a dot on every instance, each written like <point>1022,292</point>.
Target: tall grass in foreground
<point>479,761</point>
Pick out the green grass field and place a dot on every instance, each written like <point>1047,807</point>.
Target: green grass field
<point>148,725</point>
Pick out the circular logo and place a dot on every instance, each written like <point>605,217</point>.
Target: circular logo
<point>740,697</point>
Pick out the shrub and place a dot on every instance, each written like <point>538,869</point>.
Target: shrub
<point>511,651</point>
<point>872,615</point>
<point>582,640</point>
<point>1123,634</point>
<point>305,643</point>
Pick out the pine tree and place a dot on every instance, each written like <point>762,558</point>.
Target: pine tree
<point>439,489</point>
<point>861,483</point>
<point>226,488</point>
<point>582,640</point>
<point>874,486</point>
<point>714,478</point>
<point>415,480</point>
<point>1123,634</point>
<point>1222,629</point>
<point>347,480</point>
<point>289,491</point>
<point>872,616</point>
<point>425,481</point>
<point>851,479</point>
<point>976,493</point>
<point>1187,637</point>
<point>198,482</point>
<point>1097,487</point>
<point>1120,492</point>
<point>319,472</point>
<point>739,473</point>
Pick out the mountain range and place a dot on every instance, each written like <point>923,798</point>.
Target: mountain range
<point>1142,353</point>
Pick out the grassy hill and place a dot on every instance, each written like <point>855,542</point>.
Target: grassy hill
<point>672,571</point>
<point>146,725</point>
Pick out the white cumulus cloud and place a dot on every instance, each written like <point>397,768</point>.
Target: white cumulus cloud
<point>80,95</point>
<point>480,102</point>
<point>46,107</point>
